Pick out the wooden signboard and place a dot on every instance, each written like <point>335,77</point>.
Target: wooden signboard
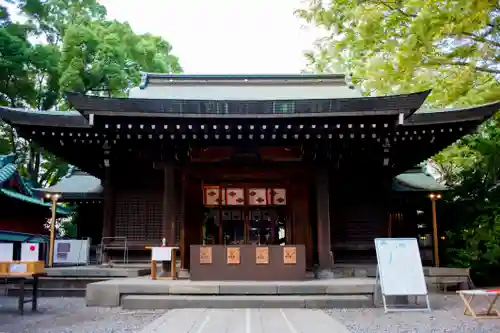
<point>290,255</point>
<point>262,255</point>
<point>15,267</point>
<point>233,255</point>
<point>205,255</point>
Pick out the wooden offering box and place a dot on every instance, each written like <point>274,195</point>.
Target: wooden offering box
<point>247,262</point>
<point>21,267</point>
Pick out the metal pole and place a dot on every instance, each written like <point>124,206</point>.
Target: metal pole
<point>52,230</point>
<point>435,233</point>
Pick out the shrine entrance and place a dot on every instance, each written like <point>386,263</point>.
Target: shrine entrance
<point>245,215</point>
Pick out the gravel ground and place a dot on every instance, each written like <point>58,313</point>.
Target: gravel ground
<point>446,316</point>
<point>57,315</point>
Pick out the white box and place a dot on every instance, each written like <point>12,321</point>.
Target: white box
<point>6,252</point>
<point>29,251</point>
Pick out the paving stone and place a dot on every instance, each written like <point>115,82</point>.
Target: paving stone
<point>245,321</point>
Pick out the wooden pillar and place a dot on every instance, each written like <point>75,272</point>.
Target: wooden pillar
<point>323,216</point>
<point>108,209</point>
<point>182,241</point>
<point>168,225</point>
<point>435,239</point>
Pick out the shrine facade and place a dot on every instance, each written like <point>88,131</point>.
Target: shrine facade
<point>247,160</point>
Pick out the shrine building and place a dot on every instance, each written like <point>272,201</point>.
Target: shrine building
<point>247,160</point>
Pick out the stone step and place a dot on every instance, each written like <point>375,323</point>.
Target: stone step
<point>49,292</point>
<point>156,302</point>
<point>68,282</point>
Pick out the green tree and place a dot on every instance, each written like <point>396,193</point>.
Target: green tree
<point>106,57</point>
<point>16,86</point>
<point>82,51</point>
<point>452,46</point>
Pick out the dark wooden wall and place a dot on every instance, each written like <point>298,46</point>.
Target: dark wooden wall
<point>359,213</point>
<point>138,210</point>
<point>301,223</point>
<point>89,221</point>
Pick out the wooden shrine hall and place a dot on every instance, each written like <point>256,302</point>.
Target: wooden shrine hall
<point>212,162</point>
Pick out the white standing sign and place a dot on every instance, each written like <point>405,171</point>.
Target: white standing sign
<point>161,253</point>
<point>29,252</point>
<point>6,252</point>
<point>399,270</point>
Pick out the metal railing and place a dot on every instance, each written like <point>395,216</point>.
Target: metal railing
<point>114,243</point>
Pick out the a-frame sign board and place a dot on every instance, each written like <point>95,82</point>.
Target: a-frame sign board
<point>400,271</point>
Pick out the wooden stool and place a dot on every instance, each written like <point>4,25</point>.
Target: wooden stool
<point>492,297</point>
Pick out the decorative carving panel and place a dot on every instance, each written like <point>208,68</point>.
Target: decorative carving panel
<point>205,255</point>
<point>278,196</point>
<point>290,255</point>
<point>258,196</point>
<point>235,196</point>
<point>233,255</point>
<point>262,255</point>
<point>214,196</point>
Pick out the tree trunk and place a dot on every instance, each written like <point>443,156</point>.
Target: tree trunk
<point>10,130</point>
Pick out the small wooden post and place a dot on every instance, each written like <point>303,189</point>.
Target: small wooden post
<point>153,269</point>
<point>389,227</point>
<point>173,265</point>
<point>54,197</point>
<point>435,244</point>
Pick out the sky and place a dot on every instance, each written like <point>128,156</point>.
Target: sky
<point>224,36</point>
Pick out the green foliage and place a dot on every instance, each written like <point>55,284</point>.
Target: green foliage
<point>82,51</point>
<point>451,46</point>
<point>107,56</point>
<point>68,228</point>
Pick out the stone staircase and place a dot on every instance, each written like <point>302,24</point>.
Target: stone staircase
<point>143,293</point>
<point>73,281</point>
<point>319,301</point>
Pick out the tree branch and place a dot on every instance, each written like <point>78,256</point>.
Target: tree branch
<point>477,68</point>
<point>442,62</point>
<point>399,10</point>
<point>478,38</point>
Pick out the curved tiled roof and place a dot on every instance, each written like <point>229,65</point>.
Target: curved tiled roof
<point>416,180</point>
<point>8,170</point>
<point>76,185</point>
<point>250,108</point>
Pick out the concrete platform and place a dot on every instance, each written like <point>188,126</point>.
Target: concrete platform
<point>163,294</point>
<point>98,271</point>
